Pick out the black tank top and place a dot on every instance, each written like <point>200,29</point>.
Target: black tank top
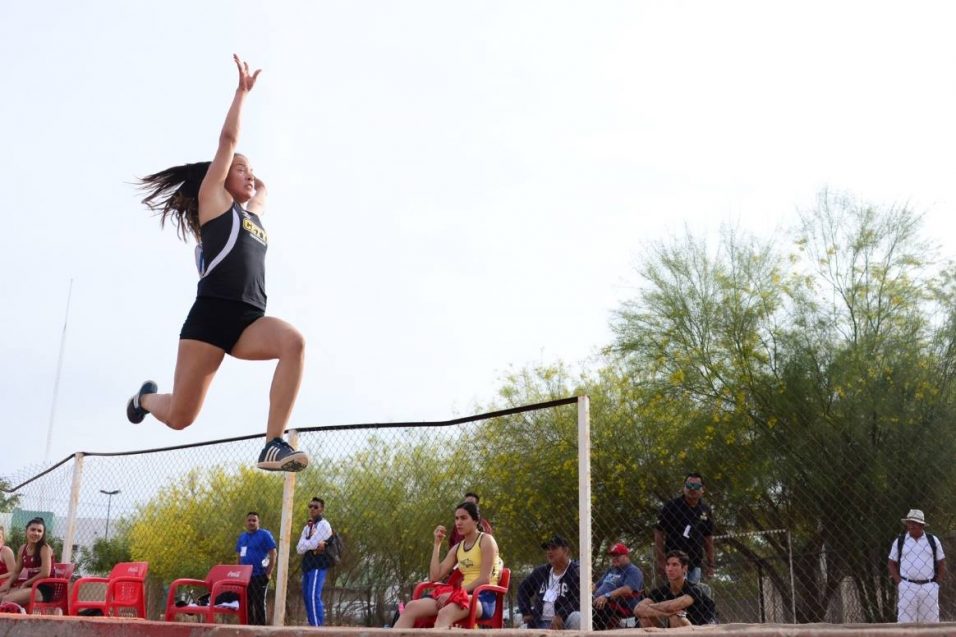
<point>231,258</point>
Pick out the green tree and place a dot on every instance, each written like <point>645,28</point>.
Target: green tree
<point>193,524</point>
<point>100,559</point>
<point>805,389</point>
<point>8,501</point>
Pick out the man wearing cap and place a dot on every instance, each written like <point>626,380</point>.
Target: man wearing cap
<point>917,565</point>
<point>618,590</point>
<point>550,597</point>
<point>686,523</point>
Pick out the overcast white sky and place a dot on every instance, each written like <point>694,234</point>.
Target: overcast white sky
<point>455,187</point>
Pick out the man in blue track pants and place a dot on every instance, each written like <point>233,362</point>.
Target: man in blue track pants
<point>311,547</point>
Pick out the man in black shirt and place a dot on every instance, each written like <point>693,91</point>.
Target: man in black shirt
<point>677,603</point>
<point>686,524</point>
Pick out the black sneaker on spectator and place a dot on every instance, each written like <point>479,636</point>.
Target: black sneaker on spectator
<point>134,410</point>
<point>278,455</point>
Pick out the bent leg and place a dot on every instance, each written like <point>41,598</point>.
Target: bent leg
<point>646,616</point>
<point>270,338</point>
<point>416,609</point>
<point>573,622</point>
<point>677,621</point>
<point>449,614</point>
<point>196,365</point>
<point>18,596</point>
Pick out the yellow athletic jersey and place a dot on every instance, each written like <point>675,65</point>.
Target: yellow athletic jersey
<point>469,563</point>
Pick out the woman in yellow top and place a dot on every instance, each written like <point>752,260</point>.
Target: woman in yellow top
<point>476,557</point>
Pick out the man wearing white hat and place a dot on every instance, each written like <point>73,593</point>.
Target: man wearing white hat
<point>917,565</point>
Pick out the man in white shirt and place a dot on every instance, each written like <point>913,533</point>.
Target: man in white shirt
<point>917,564</point>
<point>311,547</point>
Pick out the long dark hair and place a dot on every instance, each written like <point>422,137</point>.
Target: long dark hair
<point>472,510</point>
<point>173,194</point>
<point>41,543</point>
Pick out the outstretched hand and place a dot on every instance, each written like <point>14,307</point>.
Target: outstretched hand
<point>246,80</point>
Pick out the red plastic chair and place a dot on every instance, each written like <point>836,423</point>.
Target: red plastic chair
<point>474,608</point>
<point>224,578</point>
<point>125,589</point>
<point>59,582</point>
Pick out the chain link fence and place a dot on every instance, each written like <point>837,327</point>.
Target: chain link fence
<point>386,486</point>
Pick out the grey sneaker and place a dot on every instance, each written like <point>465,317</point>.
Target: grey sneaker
<point>278,455</point>
<point>134,410</point>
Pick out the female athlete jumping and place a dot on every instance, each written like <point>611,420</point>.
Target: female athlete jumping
<point>219,203</point>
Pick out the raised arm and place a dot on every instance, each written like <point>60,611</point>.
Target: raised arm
<point>439,569</point>
<point>213,197</point>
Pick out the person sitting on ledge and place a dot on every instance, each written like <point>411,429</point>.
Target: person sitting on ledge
<point>678,603</point>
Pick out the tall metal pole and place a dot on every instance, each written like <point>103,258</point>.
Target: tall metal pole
<point>56,381</point>
<point>109,502</point>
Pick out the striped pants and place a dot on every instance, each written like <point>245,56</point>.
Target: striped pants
<point>312,583</point>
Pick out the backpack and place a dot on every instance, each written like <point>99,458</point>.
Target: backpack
<point>334,548</point>
<point>932,543</point>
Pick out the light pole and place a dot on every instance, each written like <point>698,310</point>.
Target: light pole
<point>109,501</point>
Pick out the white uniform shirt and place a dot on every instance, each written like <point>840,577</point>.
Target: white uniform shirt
<point>917,561</point>
<point>312,534</point>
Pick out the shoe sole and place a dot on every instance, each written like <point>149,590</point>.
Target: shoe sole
<point>296,462</point>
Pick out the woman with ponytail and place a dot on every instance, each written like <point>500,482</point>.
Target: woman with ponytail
<point>219,204</point>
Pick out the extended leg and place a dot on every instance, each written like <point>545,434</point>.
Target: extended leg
<point>416,609</point>
<point>196,365</point>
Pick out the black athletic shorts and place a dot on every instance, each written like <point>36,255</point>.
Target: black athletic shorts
<point>219,322</point>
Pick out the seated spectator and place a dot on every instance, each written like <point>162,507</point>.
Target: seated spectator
<point>35,561</point>
<point>617,591</point>
<point>485,525</point>
<point>677,603</point>
<point>550,597</point>
<point>477,562</point>
<point>8,560</point>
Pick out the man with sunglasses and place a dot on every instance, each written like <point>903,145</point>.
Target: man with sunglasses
<point>686,524</point>
<point>311,547</point>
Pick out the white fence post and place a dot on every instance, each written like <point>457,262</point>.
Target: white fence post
<point>67,555</point>
<point>584,507</point>
<point>285,535</point>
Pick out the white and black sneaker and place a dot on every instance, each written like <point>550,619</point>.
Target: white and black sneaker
<point>134,410</point>
<point>278,455</point>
